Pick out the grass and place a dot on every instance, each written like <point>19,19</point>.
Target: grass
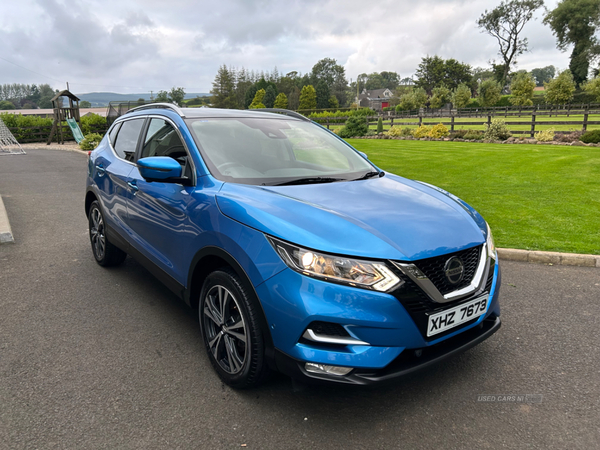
<point>534,197</point>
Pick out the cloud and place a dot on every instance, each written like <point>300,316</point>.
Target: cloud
<point>139,45</point>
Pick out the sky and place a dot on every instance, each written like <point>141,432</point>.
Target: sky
<point>135,46</point>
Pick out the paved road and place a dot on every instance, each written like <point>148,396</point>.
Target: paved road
<point>108,358</point>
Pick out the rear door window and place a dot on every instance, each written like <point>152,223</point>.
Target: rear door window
<point>127,138</point>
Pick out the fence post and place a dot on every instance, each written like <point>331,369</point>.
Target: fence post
<point>533,124</point>
<point>328,123</point>
<point>585,119</point>
<point>420,120</point>
<point>452,123</point>
<point>391,121</point>
<point>489,121</point>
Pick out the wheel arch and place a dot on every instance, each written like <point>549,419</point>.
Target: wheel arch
<point>90,197</point>
<point>210,259</point>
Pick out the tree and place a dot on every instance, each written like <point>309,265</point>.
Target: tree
<point>592,87</point>
<point>176,95</point>
<point>281,101</point>
<point>391,79</point>
<point>490,93</point>
<point>430,73</point>
<point>333,102</point>
<point>249,96</point>
<point>543,75</point>
<point>434,71</point>
<point>575,22</point>
<point>333,74</point>
<point>440,96</point>
<point>456,73</point>
<point>461,96</point>
<point>258,98</point>
<point>559,91</point>
<point>223,89</point>
<point>162,97</point>
<point>294,99</point>
<point>322,94</point>
<point>270,96</point>
<point>521,88</point>
<point>308,98</point>
<point>5,104</point>
<point>505,23</point>
<point>413,99</point>
<point>85,104</point>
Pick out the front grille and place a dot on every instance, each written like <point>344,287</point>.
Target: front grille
<point>419,306</point>
<point>433,268</point>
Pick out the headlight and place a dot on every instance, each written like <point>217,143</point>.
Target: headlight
<point>353,272</point>
<point>490,243</point>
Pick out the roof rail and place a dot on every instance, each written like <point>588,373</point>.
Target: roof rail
<point>175,108</point>
<point>286,112</point>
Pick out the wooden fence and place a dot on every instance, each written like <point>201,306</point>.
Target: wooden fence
<point>25,135</point>
<point>451,124</point>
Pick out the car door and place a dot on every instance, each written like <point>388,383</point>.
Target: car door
<point>159,212</point>
<point>111,175</point>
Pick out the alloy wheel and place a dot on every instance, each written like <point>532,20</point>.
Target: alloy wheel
<point>97,233</point>
<point>225,329</point>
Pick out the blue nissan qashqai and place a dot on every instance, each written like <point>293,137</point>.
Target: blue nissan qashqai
<point>299,254</point>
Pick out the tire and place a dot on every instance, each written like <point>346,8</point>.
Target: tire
<point>105,253</point>
<point>230,327</point>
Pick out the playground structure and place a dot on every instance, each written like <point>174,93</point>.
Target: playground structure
<point>69,114</point>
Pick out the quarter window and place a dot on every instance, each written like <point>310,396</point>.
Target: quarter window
<point>162,140</point>
<point>127,139</point>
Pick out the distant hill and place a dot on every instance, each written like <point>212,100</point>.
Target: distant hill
<point>102,98</point>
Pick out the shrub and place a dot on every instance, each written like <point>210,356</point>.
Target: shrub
<point>281,101</point>
<point>560,90</point>
<point>421,132</point>
<point>497,131</point>
<point>490,92</point>
<point>397,131</point>
<point>459,134</point>
<point>573,136</point>
<point>380,125</point>
<point>591,137</point>
<point>355,126</point>
<point>93,123</point>
<point>438,131</point>
<point>461,96</point>
<point>91,141</point>
<point>473,135</point>
<point>545,136</point>
<point>258,100</point>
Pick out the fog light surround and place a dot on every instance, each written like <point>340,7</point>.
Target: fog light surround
<point>327,369</point>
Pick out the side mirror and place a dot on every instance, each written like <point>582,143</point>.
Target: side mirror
<point>364,155</point>
<point>160,168</point>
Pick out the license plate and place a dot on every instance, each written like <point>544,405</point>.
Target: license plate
<point>453,317</point>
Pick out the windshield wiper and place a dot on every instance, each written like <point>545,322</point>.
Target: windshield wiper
<point>310,180</point>
<point>370,175</point>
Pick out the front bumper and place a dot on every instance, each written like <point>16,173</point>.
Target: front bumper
<point>386,326</point>
<point>408,362</point>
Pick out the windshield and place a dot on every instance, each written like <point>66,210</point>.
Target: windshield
<point>274,151</point>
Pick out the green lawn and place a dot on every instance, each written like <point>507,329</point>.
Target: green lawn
<point>535,197</point>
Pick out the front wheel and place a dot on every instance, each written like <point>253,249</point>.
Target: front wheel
<point>105,253</point>
<point>229,321</point>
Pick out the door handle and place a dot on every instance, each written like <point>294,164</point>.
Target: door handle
<point>101,170</point>
<point>133,185</point>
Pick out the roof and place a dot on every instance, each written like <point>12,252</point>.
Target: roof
<point>195,113</point>
<point>375,93</point>
<point>65,93</point>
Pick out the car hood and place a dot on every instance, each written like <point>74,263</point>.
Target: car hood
<point>387,218</point>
